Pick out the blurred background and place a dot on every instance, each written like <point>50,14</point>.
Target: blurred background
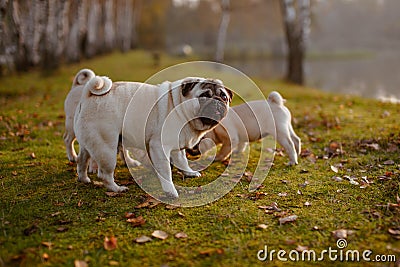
<point>348,46</point>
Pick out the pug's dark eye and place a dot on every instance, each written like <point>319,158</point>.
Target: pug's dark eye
<point>206,94</point>
<point>224,97</point>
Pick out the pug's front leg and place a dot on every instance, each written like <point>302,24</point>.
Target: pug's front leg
<point>160,160</point>
<point>180,161</point>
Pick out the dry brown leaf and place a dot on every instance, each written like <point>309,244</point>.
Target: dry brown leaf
<point>129,215</point>
<point>262,226</point>
<point>47,244</point>
<point>113,263</point>
<point>160,234</point>
<point>211,251</point>
<point>143,239</point>
<point>138,221</point>
<point>45,256</point>
<point>181,235</point>
<point>110,243</point>
<point>79,263</point>
<point>112,194</point>
<point>342,233</point>
<point>148,203</point>
<point>284,194</point>
<point>301,248</point>
<point>288,219</point>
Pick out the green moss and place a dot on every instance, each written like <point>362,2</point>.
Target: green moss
<point>41,201</point>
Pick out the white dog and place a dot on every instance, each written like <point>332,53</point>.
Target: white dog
<point>163,120</point>
<point>70,104</point>
<point>250,122</point>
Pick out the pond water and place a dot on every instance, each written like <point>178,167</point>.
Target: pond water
<point>376,76</point>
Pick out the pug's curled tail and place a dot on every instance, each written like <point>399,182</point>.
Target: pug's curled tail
<point>82,77</point>
<point>276,98</point>
<point>98,85</point>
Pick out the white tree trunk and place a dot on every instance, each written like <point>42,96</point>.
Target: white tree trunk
<point>222,32</point>
<point>109,26</point>
<point>93,36</point>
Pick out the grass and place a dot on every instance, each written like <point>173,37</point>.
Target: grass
<point>47,218</point>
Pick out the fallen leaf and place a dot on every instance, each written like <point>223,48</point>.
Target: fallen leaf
<point>334,169</point>
<point>342,233</point>
<point>262,226</point>
<point>47,244</point>
<point>181,235</point>
<point>307,204</point>
<point>62,229</point>
<point>211,251</point>
<point>138,221</point>
<point>110,243</point>
<point>288,219</point>
<point>248,175</point>
<point>388,162</point>
<point>113,263</point>
<point>394,231</point>
<point>45,256</point>
<point>354,182</point>
<point>300,248</point>
<point>284,194</point>
<point>32,155</point>
<point>79,263</point>
<point>337,178</point>
<point>129,215</point>
<point>148,203</point>
<point>373,146</point>
<point>143,239</point>
<point>112,194</point>
<point>159,234</point>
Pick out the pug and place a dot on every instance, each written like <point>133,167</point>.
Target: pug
<point>250,122</point>
<point>70,104</point>
<point>162,120</point>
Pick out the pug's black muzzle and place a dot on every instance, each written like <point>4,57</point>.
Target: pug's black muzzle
<point>212,110</point>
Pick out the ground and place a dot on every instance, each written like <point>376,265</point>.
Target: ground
<point>346,186</point>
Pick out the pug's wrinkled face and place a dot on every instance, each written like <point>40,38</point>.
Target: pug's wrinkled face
<point>214,99</point>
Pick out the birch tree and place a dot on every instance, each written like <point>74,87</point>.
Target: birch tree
<point>223,29</point>
<point>297,26</point>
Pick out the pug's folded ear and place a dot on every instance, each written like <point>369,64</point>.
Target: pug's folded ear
<point>188,84</point>
<point>230,92</point>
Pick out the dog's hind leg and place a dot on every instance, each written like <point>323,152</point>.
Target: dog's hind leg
<point>286,142</point>
<point>82,166</point>
<point>69,139</point>
<point>296,140</point>
<point>107,161</point>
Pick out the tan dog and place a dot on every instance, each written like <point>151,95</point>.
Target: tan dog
<point>70,104</point>
<point>162,119</point>
<point>250,122</point>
